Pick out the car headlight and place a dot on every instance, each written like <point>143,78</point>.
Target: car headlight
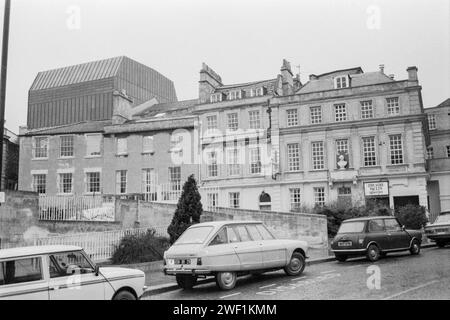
<point>170,261</point>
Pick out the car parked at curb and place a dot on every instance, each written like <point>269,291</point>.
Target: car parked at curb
<point>228,249</point>
<point>63,273</point>
<point>439,230</point>
<point>374,237</point>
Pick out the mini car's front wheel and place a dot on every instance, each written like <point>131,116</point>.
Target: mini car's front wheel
<point>296,264</point>
<point>186,282</point>
<point>415,247</point>
<point>124,295</point>
<point>226,280</point>
<point>373,253</point>
<point>341,257</point>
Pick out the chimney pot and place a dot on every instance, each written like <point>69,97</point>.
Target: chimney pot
<point>391,76</point>
<point>382,68</point>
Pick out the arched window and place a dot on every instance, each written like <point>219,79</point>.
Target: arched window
<point>265,202</point>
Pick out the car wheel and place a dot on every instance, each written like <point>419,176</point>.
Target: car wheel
<point>226,280</point>
<point>440,244</point>
<point>124,295</point>
<point>186,282</point>
<point>296,265</point>
<point>341,257</point>
<point>415,247</point>
<point>373,253</point>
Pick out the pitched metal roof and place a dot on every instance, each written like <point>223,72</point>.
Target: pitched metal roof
<point>79,127</point>
<point>89,71</point>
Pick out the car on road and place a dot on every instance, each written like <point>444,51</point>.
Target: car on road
<point>374,237</point>
<point>63,273</point>
<point>439,230</point>
<point>228,249</point>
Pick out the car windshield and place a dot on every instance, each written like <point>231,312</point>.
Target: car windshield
<point>443,218</point>
<point>351,227</point>
<point>194,235</point>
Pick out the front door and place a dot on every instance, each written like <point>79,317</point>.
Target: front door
<point>398,238</point>
<point>247,250</point>
<point>377,233</point>
<point>72,277</point>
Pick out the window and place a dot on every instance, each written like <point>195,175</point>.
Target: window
<point>233,123</point>
<point>93,144</point>
<point>340,112</point>
<point>396,149</point>
<point>392,225</point>
<point>243,233</point>
<point>342,146</point>
<point>66,146</point>
<point>211,124</point>
<point>341,82</point>
<point>69,263</point>
<point>216,97</point>
<point>448,151</point>
<point>92,182</point>
<point>232,236</point>
<point>147,144</point>
<point>430,153</point>
<point>345,196</point>
<point>292,117</point>
<point>255,92</point>
<point>149,184</point>
<point>293,150</point>
<point>317,155</point>
<point>40,183</point>
<point>176,143</point>
<point>366,110</point>
<point>65,182</point>
<point>432,121</point>
<point>393,107</point>
<point>266,235</point>
<point>212,164</point>
<point>233,95</point>
<point>376,225</point>
<point>220,238</point>
<point>20,271</point>
<point>233,167</point>
<point>295,195</point>
<point>40,147</point>
<point>255,161</point>
<point>344,191</point>
<point>316,115</point>
<point>319,196</point>
<point>234,199</point>
<point>175,178</point>
<point>121,181</point>
<point>255,119</point>
<point>254,233</point>
<point>212,200</point>
<point>369,152</point>
<point>121,146</point>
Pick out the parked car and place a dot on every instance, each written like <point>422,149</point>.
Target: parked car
<point>439,230</point>
<point>374,237</point>
<point>228,249</point>
<point>63,272</point>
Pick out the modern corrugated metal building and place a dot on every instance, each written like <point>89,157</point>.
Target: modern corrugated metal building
<point>85,92</point>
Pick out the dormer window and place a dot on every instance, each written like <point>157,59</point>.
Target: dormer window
<point>257,92</point>
<point>233,95</point>
<point>341,82</point>
<point>216,97</point>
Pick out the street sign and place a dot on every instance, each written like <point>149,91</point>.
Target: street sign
<point>376,188</point>
<point>2,197</point>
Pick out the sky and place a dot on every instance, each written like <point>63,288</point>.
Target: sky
<point>242,40</point>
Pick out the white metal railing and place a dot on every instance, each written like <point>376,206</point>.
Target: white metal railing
<point>75,208</point>
<point>166,192</point>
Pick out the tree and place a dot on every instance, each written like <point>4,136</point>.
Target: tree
<point>188,212</point>
<point>412,216</point>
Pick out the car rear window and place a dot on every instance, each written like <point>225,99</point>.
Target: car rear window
<point>196,235</point>
<point>20,270</point>
<point>352,227</point>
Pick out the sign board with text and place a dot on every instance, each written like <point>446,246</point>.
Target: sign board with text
<point>376,188</point>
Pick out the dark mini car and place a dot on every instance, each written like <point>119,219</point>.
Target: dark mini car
<point>439,231</point>
<point>374,237</point>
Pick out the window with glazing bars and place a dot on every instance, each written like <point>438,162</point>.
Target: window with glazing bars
<point>292,117</point>
<point>66,146</point>
<point>211,123</point>
<point>233,166</point>
<point>255,160</point>
<point>432,121</point>
<point>40,183</point>
<point>92,182</point>
<point>319,196</point>
<point>396,149</point>
<point>316,114</point>
<point>175,178</point>
<point>448,151</point>
<point>366,110</point>
<point>121,181</point>
<point>65,183</point>
<point>393,107</point>
<point>234,199</point>
<point>295,196</point>
<point>340,112</point>
<point>255,119</point>
<point>212,164</point>
<point>293,150</point>
<point>212,199</point>
<point>148,180</point>
<point>317,155</point>
<point>147,144</point>
<point>430,153</point>
<point>40,147</point>
<point>232,121</point>
<point>369,152</point>
<point>342,146</point>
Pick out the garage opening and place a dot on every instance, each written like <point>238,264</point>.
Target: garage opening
<point>404,200</point>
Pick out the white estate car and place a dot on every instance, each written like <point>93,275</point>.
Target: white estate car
<point>226,249</point>
<point>63,272</point>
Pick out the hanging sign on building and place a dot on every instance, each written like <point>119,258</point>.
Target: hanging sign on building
<point>376,188</point>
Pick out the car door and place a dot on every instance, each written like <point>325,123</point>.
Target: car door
<point>221,254</point>
<point>23,279</point>
<point>377,233</point>
<point>398,238</point>
<point>72,277</point>
<point>273,250</point>
<point>247,250</point>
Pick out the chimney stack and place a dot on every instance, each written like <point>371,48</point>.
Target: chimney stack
<point>209,81</point>
<point>412,73</point>
<point>382,68</point>
<point>287,78</point>
<point>122,107</point>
